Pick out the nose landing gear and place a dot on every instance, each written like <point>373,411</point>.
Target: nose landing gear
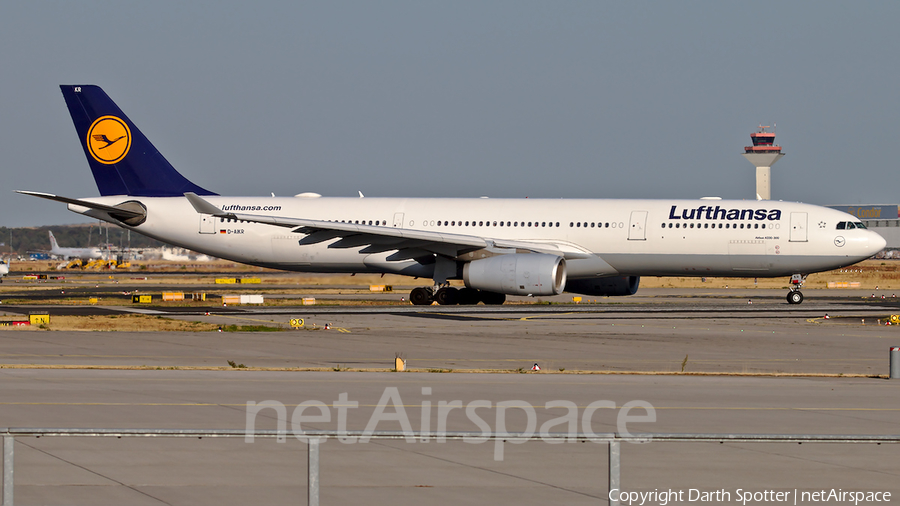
<point>794,296</point>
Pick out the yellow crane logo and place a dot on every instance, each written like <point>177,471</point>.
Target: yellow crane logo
<point>108,139</point>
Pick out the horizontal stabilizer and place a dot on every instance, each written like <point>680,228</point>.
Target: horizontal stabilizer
<point>117,212</point>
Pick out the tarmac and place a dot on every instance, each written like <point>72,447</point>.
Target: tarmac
<point>761,368</point>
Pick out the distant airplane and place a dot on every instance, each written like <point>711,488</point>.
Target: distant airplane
<point>498,247</point>
<point>4,270</point>
<point>69,253</point>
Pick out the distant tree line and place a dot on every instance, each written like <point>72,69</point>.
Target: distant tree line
<point>21,241</point>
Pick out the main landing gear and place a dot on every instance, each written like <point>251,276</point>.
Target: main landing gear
<point>794,296</point>
<point>449,296</point>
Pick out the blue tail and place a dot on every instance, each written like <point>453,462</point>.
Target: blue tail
<point>123,161</point>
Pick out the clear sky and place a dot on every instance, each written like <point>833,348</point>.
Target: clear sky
<point>461,99</point>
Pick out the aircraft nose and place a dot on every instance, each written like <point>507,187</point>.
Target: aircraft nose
<point>877,242</point>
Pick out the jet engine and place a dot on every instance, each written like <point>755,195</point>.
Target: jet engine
<point>612,286</point>
<point>517,274</point>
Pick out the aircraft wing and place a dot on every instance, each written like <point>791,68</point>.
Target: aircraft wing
<point>409,243</point>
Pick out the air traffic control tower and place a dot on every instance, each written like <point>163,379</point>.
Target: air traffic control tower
<point>763,154</point>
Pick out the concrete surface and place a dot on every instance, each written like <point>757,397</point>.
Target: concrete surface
<point>715,335</point>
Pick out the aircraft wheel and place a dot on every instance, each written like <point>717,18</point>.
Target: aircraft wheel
<point>420,296</point>
<point>794,297</point>
<point>447,296</point>
<point>468,296</point>
<point>493,298</point>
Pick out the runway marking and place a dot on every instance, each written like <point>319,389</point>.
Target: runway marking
<point>140,311</point>
<point>328,368</point>
<point>452,362</point>
<point>489,318</point>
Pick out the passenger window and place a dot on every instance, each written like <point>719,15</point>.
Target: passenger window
<point>706,225</point>
<point>678,225</point>
<point>578,224</point>
<point>756,225</point>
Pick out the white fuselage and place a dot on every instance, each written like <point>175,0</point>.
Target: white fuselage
<point>82,253</point>
<point>616,237</point>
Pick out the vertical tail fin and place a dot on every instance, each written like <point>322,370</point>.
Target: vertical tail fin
<point>53,244</point>
<point>122,159</point>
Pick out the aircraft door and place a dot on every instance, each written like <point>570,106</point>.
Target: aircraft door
<point>207,224</point>
<point>798,227</point>
<point>637,228</point>
<point>398,220</point>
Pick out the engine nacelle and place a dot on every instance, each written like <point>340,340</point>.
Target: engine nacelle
<point>517,274</point>
<point>612,286</point>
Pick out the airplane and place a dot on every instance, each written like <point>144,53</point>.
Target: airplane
<point>69,253</point>
<point>4,269</point>
<point>498,247</point>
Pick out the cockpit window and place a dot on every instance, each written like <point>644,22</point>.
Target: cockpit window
<point>849,225</point>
